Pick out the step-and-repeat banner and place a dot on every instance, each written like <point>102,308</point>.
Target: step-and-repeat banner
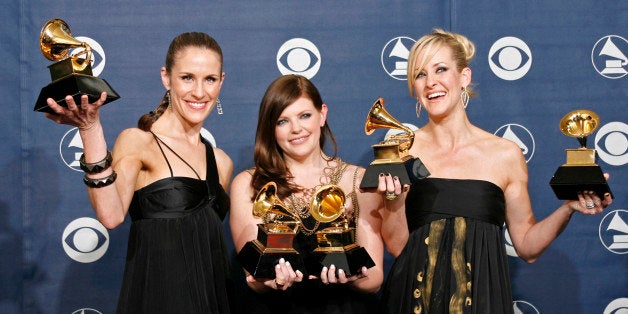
<point>536,61</point>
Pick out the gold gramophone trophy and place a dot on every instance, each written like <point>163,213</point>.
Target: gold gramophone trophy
<point>336,244</point>
<point>274,238</point>
<point>391,155</point>
<point>71,74</point>
<point>580,172</point>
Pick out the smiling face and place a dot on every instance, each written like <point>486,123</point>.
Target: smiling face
<point>298,129</point>
<point>194,82</point>
<point>438,84</point>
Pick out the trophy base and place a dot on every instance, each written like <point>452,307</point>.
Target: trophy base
<point>408,171</point>
<point>74,85</point>
<point>569,180</point>
<point>350,259</point>
<point>260,261</point>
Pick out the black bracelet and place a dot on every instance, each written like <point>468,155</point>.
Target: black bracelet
<point>100,182</point>
<point>97,167</point>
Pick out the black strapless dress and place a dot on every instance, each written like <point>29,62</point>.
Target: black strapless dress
<point>176,259</point>
<point>455,255</point>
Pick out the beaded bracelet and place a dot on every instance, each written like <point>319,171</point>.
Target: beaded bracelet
<point>96,167</point>
<point>100,182</point>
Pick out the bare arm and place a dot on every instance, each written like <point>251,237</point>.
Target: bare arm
<point>225,167</point>
<point>394,225</point>
<point>369,225</point>
<point>110,202</point>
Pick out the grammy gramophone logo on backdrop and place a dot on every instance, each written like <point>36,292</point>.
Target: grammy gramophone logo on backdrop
<point>608,56</point>
<point>70,74</point>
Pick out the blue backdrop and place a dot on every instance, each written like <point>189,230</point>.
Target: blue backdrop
<point>536,61</point>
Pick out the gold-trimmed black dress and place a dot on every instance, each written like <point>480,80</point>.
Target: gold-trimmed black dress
<point>455,260</point>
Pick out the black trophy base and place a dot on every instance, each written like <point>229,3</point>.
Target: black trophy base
<point>569,180</point>
<point>350,260</point>
<point>408,172</point>
<point>260,262</point>
<point>74,85</point>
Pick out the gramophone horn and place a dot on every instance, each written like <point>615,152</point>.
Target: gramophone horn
<point>378,117</point>
<point>267,201</point>
<point>579,123</point>
<point>55,40</point>
<point>328,203</point>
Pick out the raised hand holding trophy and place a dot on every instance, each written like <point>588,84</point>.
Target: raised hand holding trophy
<point>71,75</point>
<point>336,244</point>
<point>580,172</point>
<point>391,155</point>
<point>274,238</point>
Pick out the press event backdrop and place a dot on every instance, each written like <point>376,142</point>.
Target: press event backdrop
<point>536,61</point>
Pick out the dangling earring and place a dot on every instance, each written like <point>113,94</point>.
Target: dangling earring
<point>168,98</point>
<point>464,96</point>
<point>218,106</point>
<point>418,107</point>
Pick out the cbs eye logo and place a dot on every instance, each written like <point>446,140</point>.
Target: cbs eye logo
<point>510,58</point>
<point>299,56</point>
<point>98,55</point>
<point>85,240</point>
<point>611,143</point>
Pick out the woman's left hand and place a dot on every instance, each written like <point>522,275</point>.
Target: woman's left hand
<point>83,115</point>
<point>332,275</point>
<point>589,203</point>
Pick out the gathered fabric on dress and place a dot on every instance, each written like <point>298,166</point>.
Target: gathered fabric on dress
<point>455,259</point>
<point>176,258</point>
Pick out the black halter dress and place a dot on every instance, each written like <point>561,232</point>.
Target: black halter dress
<point>176,259</point>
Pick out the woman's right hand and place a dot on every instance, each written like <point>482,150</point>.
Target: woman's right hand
<point>84,116</point>
<point>390,187</point>
<point>285,277</point>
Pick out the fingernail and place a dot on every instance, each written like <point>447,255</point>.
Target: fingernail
<point>332,266</point>
<point>381,174</point>
<point>281,260</point>
<point>396,178</point>
<point>299,273</point>
<point>324,268</point>
<point>287,263</point>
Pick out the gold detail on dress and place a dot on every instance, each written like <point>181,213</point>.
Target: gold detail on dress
<point>436,232</point>
<point>418,309</point>
<point>419,276</point>
<point>459,267</point>
<point>417,293</point>
<point>467,301</point>
<point>427,240</point>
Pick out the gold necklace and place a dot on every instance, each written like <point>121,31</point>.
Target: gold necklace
<point>300,205</point>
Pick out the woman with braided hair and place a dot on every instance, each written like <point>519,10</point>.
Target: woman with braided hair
<point>170,181</point>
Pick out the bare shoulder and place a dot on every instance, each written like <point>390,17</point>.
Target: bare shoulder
<point>242,179</point>
<point>501,148</point>
<point>133,140</point>
<point>222,159</point>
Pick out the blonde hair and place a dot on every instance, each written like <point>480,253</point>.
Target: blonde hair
<point>462,48</point>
